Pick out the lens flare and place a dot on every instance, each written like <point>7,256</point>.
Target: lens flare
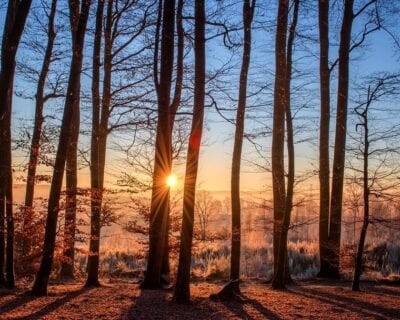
<point>171,181</point>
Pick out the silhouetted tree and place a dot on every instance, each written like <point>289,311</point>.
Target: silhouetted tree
<point>331,231</point>
<point>340,142</point>
<point>324,179</point>
<point>278,135</point>
<point>162,163</point>
<point>79,12</point>
<point>40,99</point>
<point>17,12</point>
<point>95,179</point>
<point>182,285</point>
<point>289,130</point>
<point>232,288</point>
<point>375,153</point>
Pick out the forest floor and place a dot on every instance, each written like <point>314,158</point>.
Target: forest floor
<point>311,299</point>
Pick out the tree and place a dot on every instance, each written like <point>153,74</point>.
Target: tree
<point>121,36</point>
<point>232,289</point>
<point>95,179</point>
<point>205,208</point>
<point>289,131</point>
<point>278,135</point>
<point>40,99</point>
<point>375,181</point>
<point>324,196</point>
<point>330,221</point>
<point>182,285</point>
<point>79,13</point>
<point>340,142</point>
<point>71,184</point>
<point>162,163</point>
<point>17,12</point>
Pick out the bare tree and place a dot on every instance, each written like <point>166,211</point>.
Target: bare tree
<point>182,286</point>
<point>278,135</point>
<point>330,230</point>
<point>17,12</point>
<point>79,12</point>
<point>232,289</point>
<point>206,208</point>
<point>162,163</point>
<point>40,99</point>
<point>375,181</point>
<point>323,20</point>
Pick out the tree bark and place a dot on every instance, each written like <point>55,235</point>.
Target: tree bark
<point>162,164</point>
<point>37,132</point>
<point>17,13</point>
<point>278,135</point>
<point>182,286</point>
<point>340,142</point>
<point>290,134</point>
<point>231,290</point>
<point>78,18</point>
<point>71,175</point>
<point>323,19</point>
<point>176,101</point>
<point>98,145</point>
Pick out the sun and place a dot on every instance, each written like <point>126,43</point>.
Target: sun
<point>171,181</point>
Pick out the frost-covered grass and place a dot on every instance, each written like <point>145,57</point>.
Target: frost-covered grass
<point>211,260</point>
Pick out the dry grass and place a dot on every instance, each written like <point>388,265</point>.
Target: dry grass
<point>313,299</point>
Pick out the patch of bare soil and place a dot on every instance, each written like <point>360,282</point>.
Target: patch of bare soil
<point>316,299</point>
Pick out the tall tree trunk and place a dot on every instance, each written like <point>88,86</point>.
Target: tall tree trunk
<point>231,290</point>
<point>37,132</point>
<point>17,13</point>
<point>182,286</point>
<point>71,175</point>
<point>176,101</point>
<point>289,133</point>
<point>99,136</point>
<point>340,141</point>
<point>278,135</point>
<point>78,18</point>
<point>323,18</point>
<point>162,165</point>
<point>360,250</point>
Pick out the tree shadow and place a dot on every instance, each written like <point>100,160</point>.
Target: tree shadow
<point>25,298</point>
<point>17,301</point>
<point>150,304</point>
<point>387,291</point>
<point>364,308</point>
<point>238,309</point>
<point>157,304</point>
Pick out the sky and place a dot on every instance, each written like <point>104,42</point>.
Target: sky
<point>216,152</point>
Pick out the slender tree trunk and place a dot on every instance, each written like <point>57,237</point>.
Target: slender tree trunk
<point>17,13</point>
<point>174,108</point>
<point>278,135</point>
<point>323,18</point>
<point>37,132</point>
<point>289,133</point>
<point>162,165</point>
<point>182,286</point>
<point>78,20</point>
<point>71,175</point>
<point>99,136</point>
<point>360,250</point>
<point>232,289</point>
<point>340,141</point>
